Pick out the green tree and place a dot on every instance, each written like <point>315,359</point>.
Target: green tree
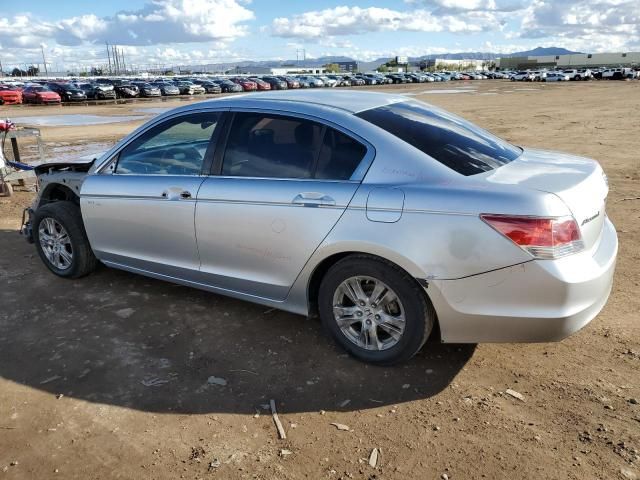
<point>16,72</point>
<point>332,67</point>
<point>383,68</point>
<point>33,71</point>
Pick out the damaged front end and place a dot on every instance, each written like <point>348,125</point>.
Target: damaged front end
<point>56,181</point>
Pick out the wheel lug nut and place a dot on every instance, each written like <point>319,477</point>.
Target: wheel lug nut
<point>377,317</point>
<point>373,305</point>
<point>359,314</point>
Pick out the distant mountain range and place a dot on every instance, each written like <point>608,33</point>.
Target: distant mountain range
<point>320,61</point>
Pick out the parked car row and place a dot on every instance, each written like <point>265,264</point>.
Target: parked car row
<point>42,91</point>
<point>573,74</point>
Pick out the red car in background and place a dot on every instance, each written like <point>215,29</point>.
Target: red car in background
<point>246,84</point>
<point>10,95</point>
<point>261,84</point>
<point>39,94</point>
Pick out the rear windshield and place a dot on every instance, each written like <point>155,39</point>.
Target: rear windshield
<point>449,139</point>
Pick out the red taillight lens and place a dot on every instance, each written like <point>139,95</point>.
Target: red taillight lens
<point>544,238</point>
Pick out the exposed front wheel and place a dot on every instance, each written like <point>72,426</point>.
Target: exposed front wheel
<point>61,240</point>
<point>375,310</point>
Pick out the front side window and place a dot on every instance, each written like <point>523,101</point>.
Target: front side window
<point>176,147</point>
<point>447,138</point>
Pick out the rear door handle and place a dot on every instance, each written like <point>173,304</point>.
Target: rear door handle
<point>313,199</point>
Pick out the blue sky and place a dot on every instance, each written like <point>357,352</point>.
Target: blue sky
<point>178,32</point>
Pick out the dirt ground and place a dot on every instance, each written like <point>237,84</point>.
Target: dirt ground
<point>107,377</point>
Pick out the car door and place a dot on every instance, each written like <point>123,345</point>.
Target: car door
<point>138,210</point>
<point>282,183</point>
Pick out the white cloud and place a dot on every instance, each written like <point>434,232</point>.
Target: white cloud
<point>345,20</point>
<point>586,25</point>
<point>158,22</point>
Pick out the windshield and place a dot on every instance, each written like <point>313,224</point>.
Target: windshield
<point>451,140</point>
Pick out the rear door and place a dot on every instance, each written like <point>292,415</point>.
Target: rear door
<point>138,212</point>
<point>283,182</point>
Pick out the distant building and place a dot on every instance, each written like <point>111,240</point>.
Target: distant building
<point>451,64</point>
<point>296,70</point>
<point>348,67</point>
<point>575,60</point>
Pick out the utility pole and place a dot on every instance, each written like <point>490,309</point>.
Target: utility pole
<point>115,55</point>
<point>108,57</point>
<point>44,61</point>
<point>124,65</point>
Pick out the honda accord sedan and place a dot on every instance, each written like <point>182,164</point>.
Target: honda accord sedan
<point>389,218</point>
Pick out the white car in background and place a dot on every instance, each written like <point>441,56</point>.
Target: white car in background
<point>539,75</point>
<point>556,77</point>
<point>328,82</point>
<point>522,77</point>
<point>618,73</point>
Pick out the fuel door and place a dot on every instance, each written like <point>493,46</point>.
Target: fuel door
<point>385,205</point>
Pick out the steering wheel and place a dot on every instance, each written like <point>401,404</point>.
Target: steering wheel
<point>191,155</point>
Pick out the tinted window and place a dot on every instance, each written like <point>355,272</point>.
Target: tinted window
<point>449,139</point>
<point>339,156</point>
<point>176,147</point>
<point>271,146</point>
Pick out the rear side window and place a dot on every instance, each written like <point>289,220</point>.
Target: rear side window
<point>451,140</point>
<point>275,146</point>
<point>271,146</point>
<point>339,156</point>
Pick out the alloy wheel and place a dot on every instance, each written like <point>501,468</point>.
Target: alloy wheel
<point>55,243</point>
<point>369,313</point>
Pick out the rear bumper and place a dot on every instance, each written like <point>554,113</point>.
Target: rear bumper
<point>537,301</point>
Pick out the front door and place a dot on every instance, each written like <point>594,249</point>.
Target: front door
<point>139,213</point>
<point>284,183</point>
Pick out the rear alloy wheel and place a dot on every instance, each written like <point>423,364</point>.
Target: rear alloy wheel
<point>375,310</point>
<point>368,313</point>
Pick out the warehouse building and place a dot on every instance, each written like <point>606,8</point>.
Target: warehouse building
<point>577,60</point>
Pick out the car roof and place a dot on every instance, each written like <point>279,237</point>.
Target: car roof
<point>353,102</point>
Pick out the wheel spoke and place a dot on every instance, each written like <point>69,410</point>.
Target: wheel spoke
<point>379,294</point>
<point>49,226</point>
<point>66,256</point>
<point>354,287</point>
<point>394,326</point>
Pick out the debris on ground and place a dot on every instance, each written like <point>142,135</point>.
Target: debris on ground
<point>276,420</point>
<point>373,458</point>
<point>125,312</point>
<point>341,426</point>
<point>514,394</point>
<point>216,381</point>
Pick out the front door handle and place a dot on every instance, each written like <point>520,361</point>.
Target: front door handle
<point>176,194</point>
<point>313,199</point>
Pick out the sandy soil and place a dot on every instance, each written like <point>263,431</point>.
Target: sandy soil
<point>106,377</point>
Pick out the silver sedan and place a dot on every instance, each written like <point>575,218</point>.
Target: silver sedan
<point>384,215</point>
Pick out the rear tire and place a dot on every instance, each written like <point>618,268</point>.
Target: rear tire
<point>388,322</point>
<point>61,240</point>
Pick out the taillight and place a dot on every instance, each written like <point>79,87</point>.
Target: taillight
<point>544,238</point>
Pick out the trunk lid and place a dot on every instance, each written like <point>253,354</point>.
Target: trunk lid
<point>579,182</point>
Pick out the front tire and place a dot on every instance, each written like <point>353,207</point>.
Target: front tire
<point>374,310</point>
<point>61,240</point>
